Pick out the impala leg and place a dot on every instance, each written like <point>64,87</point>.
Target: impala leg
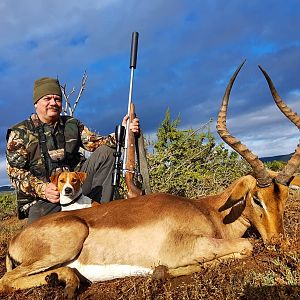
<point>190,269</point>
<point>210,249</point>
<point>64,274</point>
<point>192,254</point>
<point>47,251</point>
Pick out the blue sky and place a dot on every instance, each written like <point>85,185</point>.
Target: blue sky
<point>187,52</point>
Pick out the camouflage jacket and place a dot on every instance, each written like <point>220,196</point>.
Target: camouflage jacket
<point>26,162</point>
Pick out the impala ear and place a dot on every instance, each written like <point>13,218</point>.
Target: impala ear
<point>238,192</point>
<point>236,199</point>
<point>230,203</point>
<point>236,211</point>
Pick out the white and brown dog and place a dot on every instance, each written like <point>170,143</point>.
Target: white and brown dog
<point>69,185</point>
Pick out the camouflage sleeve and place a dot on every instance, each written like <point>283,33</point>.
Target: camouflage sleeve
<point>91,140</point>
<point>20,177</point>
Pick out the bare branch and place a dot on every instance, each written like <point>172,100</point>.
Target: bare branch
<point>68,109</point>
<point>82,88</point>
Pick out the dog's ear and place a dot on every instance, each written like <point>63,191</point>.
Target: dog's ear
<point>54,178</point>
<point>82,176</point>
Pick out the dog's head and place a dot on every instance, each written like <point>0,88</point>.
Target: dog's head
<point>68,183</point>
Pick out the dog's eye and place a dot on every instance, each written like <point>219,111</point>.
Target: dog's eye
<point>61,181</point>
<point>74,180</point>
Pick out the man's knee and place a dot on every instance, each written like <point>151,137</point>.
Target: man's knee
<point>102,156</point>
<point>99,168</point>
<point>105,152</point>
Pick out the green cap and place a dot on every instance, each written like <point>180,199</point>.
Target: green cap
<point>45,86</point>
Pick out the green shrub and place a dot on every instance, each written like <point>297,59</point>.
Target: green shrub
<point>275,165</point>
<point>190,162</point>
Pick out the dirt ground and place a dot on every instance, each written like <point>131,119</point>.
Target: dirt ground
<point>270,273</point>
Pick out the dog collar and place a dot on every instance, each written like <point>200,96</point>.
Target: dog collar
<point>72,202</point>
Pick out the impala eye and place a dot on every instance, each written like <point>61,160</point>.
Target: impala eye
<point>257,202</point>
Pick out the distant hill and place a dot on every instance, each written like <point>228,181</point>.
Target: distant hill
<point>284,158</point>
<point>6,188</point>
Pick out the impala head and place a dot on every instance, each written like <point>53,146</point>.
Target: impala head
<point>261,196</point>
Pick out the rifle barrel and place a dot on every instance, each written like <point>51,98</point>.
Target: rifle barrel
<point>133,60</point>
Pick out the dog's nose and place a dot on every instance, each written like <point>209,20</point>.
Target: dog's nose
<point>68,190</point>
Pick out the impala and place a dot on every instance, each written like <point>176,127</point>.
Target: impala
<point>133,236</point>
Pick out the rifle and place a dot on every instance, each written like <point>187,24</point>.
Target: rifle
<point>130,138</point>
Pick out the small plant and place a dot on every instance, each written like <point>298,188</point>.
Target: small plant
<point>8,204</point>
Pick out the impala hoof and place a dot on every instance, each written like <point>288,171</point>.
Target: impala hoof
<point>161,273</point>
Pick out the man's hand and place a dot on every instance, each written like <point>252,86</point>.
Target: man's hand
<point>134,126</point>
<point>52,193</point>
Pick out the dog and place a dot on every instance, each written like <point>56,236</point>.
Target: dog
<point>69,185</point>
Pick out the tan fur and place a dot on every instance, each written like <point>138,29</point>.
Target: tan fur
<point>147,231</point>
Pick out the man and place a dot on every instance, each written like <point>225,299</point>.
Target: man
<point>47,143</point>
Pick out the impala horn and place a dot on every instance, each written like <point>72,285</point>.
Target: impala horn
<point>286,174</point>
<point>261,174</point>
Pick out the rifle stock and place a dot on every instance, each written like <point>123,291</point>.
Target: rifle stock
<point>130,164</point>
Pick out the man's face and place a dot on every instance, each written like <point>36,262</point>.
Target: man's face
<point>48,108</point>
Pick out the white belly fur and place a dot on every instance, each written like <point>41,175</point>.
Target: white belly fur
<point>108,272</point>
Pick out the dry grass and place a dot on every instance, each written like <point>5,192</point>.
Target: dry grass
<point>271,273</point>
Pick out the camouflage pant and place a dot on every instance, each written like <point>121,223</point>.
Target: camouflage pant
<point>99,167</point>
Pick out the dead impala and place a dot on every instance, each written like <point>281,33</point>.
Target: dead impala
<point>133,236</point>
